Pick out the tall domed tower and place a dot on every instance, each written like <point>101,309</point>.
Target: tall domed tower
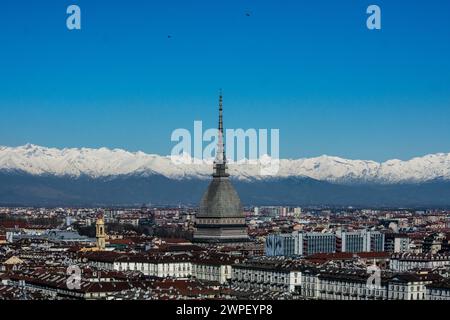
<point>220,218</point>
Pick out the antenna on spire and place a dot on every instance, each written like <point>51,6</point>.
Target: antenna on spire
<point>220,112</point>
<point>220,161</point>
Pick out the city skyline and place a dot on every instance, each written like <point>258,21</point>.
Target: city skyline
<point>223,158</point>
<point>133,74</point>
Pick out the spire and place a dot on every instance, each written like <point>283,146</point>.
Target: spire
<point>220,163</point>
<point>220,112</point>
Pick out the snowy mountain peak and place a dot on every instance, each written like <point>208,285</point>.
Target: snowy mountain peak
<point>104,162</point>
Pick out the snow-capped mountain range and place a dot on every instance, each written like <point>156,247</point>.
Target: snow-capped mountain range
<point>103,162</point>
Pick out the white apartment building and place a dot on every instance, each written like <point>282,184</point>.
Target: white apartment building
<point>181,266</point>
<point>411,261</point>
<point>350,284</point>
<point>340,284</point>
<point>271,276</point>
<point>409,287</point>
<point>401,244</point>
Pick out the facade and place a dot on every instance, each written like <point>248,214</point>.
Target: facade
<point>299,244</point>
<point>401,244</point>
<point>362,241</point>
<point>210,267</point>
<point>376,241</point>
<point>315,242</point>
<point>396,243</point>
<point>179,266</point>
<point>345,285</point>
<point>268,275</point>
<point>221,218</point>
<point>408,287</point>
<point>212,272</point>
<point>351,284</point>
<point>148,265</point>
<point>438,291</point>
<point>310,243</point>
<point>353,242</point>
<point>286,245</point>
<point>410,261</point>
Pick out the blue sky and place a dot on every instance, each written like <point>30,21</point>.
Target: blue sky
<point>310,68</point>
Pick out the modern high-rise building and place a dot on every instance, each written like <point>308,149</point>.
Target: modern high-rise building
<point>309,243</point>
<point>221,217</point>
<point>300,244</point>
<point>362,241</point>
<point>376,241</point>
<point>316,242</point>
<point>286,245</point>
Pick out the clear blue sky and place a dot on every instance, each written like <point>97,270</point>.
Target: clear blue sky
<point>310,68</point>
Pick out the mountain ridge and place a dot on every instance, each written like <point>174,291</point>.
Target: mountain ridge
<point>104,162</point>
<point>22,189</point>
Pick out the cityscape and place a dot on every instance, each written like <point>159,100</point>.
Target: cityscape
<point>291,253</point>
<point>224,157</point>
<point>220,250</point>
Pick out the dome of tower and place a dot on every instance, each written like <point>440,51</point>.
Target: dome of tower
<point>221,200</point>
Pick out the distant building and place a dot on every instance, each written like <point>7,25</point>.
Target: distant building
<point>362,241</point>
<point>376,241</point>
<point>309,243</point>
<point>297,212</point>
<point>315,242</point>
<point>433,243</point>
<point>274,276</point>
<point>286,245</point>
<point>300,244</point>
<point>349,284</point>
<point>401,244</point>
<point>214,267</point>
<point>396,243</point>
<point>410,261</point>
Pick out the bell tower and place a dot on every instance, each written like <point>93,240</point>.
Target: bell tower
<point>100,233</point>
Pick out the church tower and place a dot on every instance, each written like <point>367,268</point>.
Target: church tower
<point>221,218</point>
<point>100,233</point>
